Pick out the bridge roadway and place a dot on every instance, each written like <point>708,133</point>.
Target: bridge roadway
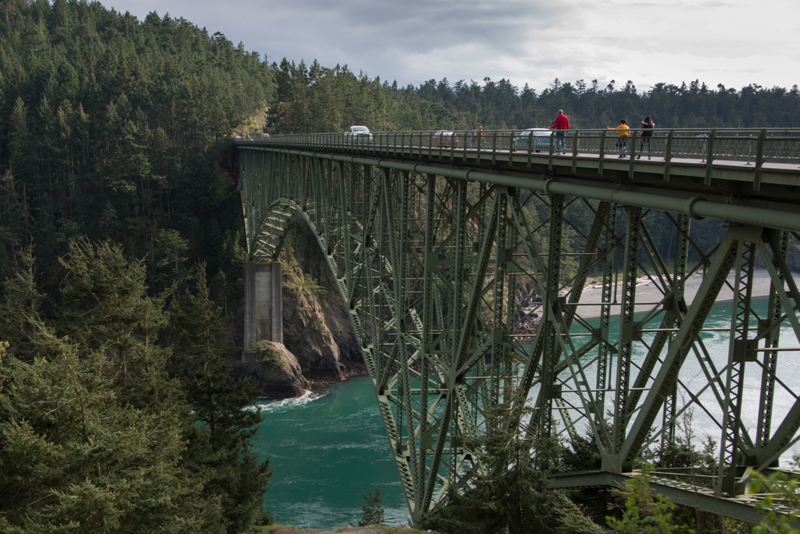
<point>462,267</point>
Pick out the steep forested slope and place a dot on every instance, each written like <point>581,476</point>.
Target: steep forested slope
<point>117,410</point>
<point>111,127</point>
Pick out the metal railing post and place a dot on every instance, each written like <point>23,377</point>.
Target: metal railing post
<point>668,155</point>
<point>762,137</point>
<point>710,155</point>
<point>575,151</point>
<point>601,161</point>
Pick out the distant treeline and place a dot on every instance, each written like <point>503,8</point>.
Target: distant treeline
<point>319,99</point>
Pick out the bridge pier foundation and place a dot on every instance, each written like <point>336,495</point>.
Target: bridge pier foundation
<point>263,306</point>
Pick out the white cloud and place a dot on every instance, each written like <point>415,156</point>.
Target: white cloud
<point>733,42</point>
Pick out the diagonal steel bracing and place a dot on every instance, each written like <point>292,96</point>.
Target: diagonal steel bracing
<point>469,287</point>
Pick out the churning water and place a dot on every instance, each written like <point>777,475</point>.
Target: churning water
<point>326,451</point>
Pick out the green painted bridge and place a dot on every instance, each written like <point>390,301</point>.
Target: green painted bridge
<point>483,270</point>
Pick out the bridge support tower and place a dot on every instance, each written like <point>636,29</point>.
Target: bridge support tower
<point>263,306</point>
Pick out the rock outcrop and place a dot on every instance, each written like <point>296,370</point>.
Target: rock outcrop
<point>277,370</point>
<point>319,345</point>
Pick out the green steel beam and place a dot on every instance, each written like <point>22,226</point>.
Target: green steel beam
<point>441,269</point>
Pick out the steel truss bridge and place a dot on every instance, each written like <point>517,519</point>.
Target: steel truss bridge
<point>462,266</point>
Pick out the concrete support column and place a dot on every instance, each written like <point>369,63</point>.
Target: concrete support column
<point>263,306</point>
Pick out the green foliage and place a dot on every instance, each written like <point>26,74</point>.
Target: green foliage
<point>511,493</point>
<point>77,459</point>
<point>271,356</point>
<point>372,509</point>
<point>113,129</point>
<point>98,437</point>
<point>223,420</point>
<point>644,513</point>
<point>782,491</point>
<point>20,308</point>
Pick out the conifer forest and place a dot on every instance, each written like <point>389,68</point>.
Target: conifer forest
<point>122,246</point>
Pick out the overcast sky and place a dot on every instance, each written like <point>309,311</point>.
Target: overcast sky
<point>732,42</point>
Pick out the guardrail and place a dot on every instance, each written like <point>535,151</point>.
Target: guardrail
<point>750,146</point>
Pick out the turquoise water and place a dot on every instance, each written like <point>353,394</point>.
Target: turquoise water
<point>328,449</point>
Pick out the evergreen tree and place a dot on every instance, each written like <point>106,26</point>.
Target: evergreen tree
<point>372,509</point>
<point>511,495</point>
<point>224,421</point>
<point>19,310</point>
<point>77,459</point>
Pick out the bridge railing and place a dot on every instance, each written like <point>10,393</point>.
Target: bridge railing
<point>752,146</point>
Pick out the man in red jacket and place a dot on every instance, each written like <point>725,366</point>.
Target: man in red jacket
<point>561,125</point>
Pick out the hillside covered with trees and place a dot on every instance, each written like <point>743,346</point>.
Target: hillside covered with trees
<point>117,410</point>
<point>121,247</point>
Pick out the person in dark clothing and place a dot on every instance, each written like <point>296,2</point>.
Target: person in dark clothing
<point>646,136</point>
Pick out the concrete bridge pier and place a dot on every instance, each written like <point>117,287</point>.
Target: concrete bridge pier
<point>263,305</point>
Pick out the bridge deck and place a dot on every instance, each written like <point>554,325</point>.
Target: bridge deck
<point>758,149</point>
<point>451,261</point>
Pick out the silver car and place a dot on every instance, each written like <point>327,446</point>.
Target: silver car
<point>359,131</point>
<point>537,138</point>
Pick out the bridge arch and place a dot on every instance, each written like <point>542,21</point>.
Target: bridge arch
<point>462,296</point>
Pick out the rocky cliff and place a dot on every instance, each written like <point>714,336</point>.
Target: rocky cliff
<point>319,345</point>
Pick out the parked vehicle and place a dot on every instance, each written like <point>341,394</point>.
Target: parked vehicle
<point>358,131</point>
<point>539,139</point>
<point>444,138</point>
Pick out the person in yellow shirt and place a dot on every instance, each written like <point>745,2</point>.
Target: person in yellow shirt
<point>624,132</point>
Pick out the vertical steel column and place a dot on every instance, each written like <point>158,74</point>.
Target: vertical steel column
<point>609,280</point>
<point>729,459</point>
<point>498,361</point>
<point>550,302</point>
<point>771,335</point>
<point>401,267</point>
<point>422,493</point>
<point>509,363</point>
<point>393,229</point>
<point>461,247</point>
<point>627,325</point>
<point>682,227</point>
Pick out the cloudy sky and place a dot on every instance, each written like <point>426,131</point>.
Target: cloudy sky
<point>729,42</point>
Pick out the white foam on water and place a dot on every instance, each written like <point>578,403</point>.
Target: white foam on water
<point>286,405</point>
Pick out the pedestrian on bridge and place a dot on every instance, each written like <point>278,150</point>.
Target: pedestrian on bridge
<point>561,126</point>
<point>624,132</point>
<point>646,136</point>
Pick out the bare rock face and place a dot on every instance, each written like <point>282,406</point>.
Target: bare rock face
<point>319,344</point>
<point>316,326</point>
<point>306,331</point>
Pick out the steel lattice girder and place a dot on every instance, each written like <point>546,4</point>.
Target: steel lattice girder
<point>461,296</point>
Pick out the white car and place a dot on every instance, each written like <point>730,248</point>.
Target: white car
<point>539,139</point>
<point>359,131</point>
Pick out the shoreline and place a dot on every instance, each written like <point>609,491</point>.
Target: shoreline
<point>646,291</point>
<point>649,294</point>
